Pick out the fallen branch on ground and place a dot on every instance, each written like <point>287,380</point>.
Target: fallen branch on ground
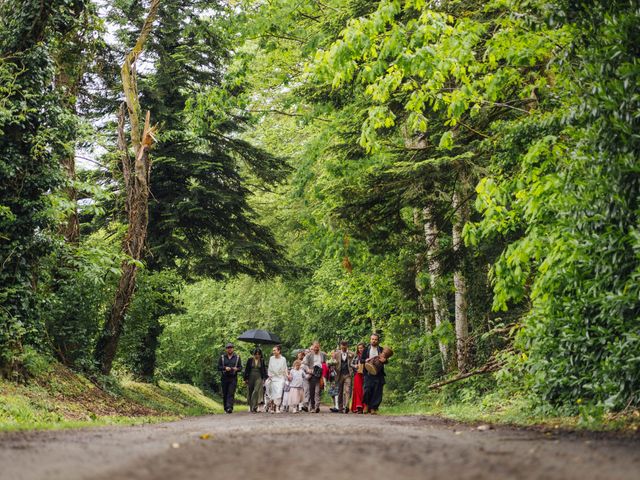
<point>492,365</point>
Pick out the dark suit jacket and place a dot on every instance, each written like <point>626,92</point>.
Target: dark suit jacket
<point>249,366</point>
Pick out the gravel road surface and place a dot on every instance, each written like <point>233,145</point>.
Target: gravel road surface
<point>325,445</point>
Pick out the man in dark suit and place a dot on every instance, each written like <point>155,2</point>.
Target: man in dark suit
<point>229,365</point>
<point>373,384</point>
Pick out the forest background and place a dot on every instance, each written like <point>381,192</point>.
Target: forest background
<point>460,176</point>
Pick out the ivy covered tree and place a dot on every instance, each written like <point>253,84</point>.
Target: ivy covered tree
<point>31,119</point>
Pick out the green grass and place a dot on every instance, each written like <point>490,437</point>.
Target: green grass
<point>179,399</point>
<point>61,424</point>
<point>515,410</point>
<point>59,398</point>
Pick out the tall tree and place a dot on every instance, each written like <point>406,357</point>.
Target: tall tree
<point>136,174</point>
<point>401,55</point>
<point>73,54</point>
<point>201,222</point>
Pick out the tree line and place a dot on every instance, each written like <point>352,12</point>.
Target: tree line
<point>458,175</point>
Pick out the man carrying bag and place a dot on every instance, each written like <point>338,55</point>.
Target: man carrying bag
<point>313,363</point>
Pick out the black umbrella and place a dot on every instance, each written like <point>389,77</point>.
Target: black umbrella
<point>260,337</point>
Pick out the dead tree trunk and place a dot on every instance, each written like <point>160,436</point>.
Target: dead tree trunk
<point>461,209</point>
<point>440,310</point>
<point>136,182</point>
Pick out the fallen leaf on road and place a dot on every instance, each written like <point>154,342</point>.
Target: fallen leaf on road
<point>175,445</point>
<point>205,436</point>
<point>484,428</point>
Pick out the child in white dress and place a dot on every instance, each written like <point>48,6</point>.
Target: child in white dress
<point>296,393</point>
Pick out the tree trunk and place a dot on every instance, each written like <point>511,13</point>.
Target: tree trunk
<point>423,306</point>
<point>70,229</point>
<point>440,310</point>
<point>148,348</point>
<point>136,182</point>
<point>461,208</point>
<point>70,67</point>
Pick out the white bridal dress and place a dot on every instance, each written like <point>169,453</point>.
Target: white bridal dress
<point>278,373</point>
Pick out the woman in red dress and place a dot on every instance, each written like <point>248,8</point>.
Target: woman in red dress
<point>357,405</point>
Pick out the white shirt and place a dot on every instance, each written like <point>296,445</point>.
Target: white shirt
<point>317,360</point>
<point>277,367</point>
<point>374,351</point>
<point>344,356</point>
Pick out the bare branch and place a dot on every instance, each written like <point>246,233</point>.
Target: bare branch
<point>128,74</point>
<point>280,112</point>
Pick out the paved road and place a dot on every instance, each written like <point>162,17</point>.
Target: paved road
<point>314,446</point>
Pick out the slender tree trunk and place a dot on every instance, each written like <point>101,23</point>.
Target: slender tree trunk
<point>461,208</point>
<point>148,348</point>
<point>428,321</point>
<point>71,64</point>
<point>136,180</point>
<point>70,229</point>
<point>423,306</point>
<point>440,309</point>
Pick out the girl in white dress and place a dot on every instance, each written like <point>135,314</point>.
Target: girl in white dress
<point>277,372</point>
<point>296,395</point>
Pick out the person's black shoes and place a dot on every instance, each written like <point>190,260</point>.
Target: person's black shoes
<point>228,410</point>
<point>346,409</point>
<point>305,409</point>
<point>317,409</point>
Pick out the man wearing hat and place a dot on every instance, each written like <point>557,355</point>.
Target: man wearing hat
<point>229,365</point>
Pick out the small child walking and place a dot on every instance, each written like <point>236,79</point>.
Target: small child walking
<point>296,394</point>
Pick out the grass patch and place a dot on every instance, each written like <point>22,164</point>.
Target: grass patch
<point>179,399</point>
<point>514,410</point>
<point>60,398</point>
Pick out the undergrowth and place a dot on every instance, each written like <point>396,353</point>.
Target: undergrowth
<point>484,399</point>
<point>56,397</point>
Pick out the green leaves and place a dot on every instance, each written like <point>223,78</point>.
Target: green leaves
<point>558,185</point>
<point>446,141</point>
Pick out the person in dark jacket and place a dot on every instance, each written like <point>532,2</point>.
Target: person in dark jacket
<point>255,373</point>
<point>229,365</point>
<point>373,384</point>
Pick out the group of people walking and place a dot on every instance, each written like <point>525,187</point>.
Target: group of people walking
<point>354,379</point>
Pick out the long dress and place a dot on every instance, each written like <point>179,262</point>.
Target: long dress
<point>296,394</point>
<point>357,401</point>
<point>277,372</point>
<point>254,384</point>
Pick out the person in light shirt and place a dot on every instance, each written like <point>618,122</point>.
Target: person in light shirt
<point>277,373</point>
<point>313,362</point>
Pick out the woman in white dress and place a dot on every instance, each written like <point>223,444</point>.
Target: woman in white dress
<point>277,372</point>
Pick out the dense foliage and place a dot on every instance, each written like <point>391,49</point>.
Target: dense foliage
<point>32,120</point>
<point>460,176</point>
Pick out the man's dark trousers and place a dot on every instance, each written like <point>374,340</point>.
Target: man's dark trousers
<point>229,383</point>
